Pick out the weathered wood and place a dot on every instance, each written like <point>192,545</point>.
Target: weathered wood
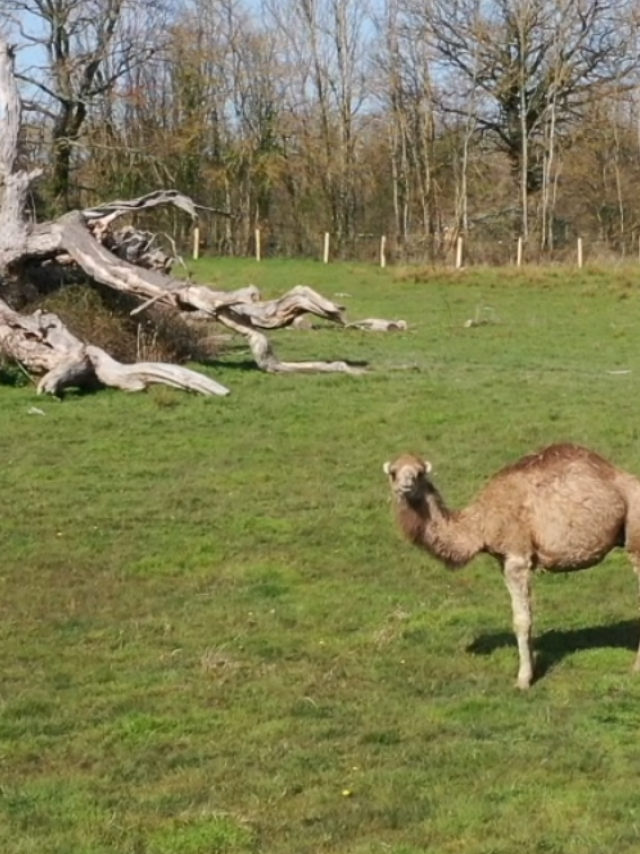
<point>137,247</point>
<point>281,312</point>
<point>43,345</point>
<point>265,356</point>
<point>378,324</point>
<point>73,373</point>
<point>123,261</point>
<point>40,341</point>
<point>104,215</point>
<point>142,374</point>
<point>14,182</point>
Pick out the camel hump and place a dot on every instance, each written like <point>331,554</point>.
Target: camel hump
<point>572,503</point>
<point>556,460</point>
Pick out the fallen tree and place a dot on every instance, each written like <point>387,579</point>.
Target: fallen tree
<point>127,261</point>
<point>43,344</point>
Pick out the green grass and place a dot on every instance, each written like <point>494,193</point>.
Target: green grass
<point>214,640</point>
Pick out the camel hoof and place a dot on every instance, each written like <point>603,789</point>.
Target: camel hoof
<point>524,683</point>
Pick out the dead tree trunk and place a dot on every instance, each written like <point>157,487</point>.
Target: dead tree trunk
<point>14,181</point>
<point>43,344</point>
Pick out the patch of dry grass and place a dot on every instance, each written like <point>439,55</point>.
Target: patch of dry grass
<point>103,318</point>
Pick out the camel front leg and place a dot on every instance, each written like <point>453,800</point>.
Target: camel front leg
<point>517,576</point>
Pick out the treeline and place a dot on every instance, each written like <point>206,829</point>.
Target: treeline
<point>419,119</point>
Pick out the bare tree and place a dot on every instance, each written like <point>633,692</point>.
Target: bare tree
<point>393,99</point>
<point>72,52</point>
<point>408,96</point>
<point>511,50</point>
<point>326,50</point>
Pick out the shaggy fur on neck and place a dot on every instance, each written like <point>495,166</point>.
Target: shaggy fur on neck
<point>446,534</point>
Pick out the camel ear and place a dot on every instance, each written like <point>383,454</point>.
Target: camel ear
<point>428,468</point>
<point>386,468</point>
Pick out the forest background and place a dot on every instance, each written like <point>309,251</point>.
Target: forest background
<point>420,120</point>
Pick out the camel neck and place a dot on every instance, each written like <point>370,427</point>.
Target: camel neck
<point>448,535</point>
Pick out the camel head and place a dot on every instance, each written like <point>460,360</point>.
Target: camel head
<point>408,477</point>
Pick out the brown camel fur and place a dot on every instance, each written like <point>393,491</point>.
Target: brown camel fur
<point>561,509</point>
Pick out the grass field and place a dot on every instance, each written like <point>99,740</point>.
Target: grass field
<point>214,640</point>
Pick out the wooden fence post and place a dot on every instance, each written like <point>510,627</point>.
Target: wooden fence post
<point>383,254</point>
<point>325,251</point>
<point>580,258</point>
<point>519,255</point>
<point>459,253</point>
<point>257,244</point>
<point>196,242</point>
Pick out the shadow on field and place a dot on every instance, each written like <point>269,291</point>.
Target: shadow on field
<point>240,365</point>
<point>250,365</point>
<point>552,646</point>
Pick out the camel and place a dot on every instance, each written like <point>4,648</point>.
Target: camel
<point>561,509</point>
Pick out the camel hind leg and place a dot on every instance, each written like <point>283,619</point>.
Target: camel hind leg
<point>517,576</point>
<point>635,562</point>
<point>632,539</point>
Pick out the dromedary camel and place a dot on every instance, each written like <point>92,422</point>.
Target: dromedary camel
<point>561,509</point>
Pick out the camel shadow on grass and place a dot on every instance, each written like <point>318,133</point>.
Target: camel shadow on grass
<point>554,645</point>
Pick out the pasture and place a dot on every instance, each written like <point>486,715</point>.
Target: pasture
<point>214,640</point>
